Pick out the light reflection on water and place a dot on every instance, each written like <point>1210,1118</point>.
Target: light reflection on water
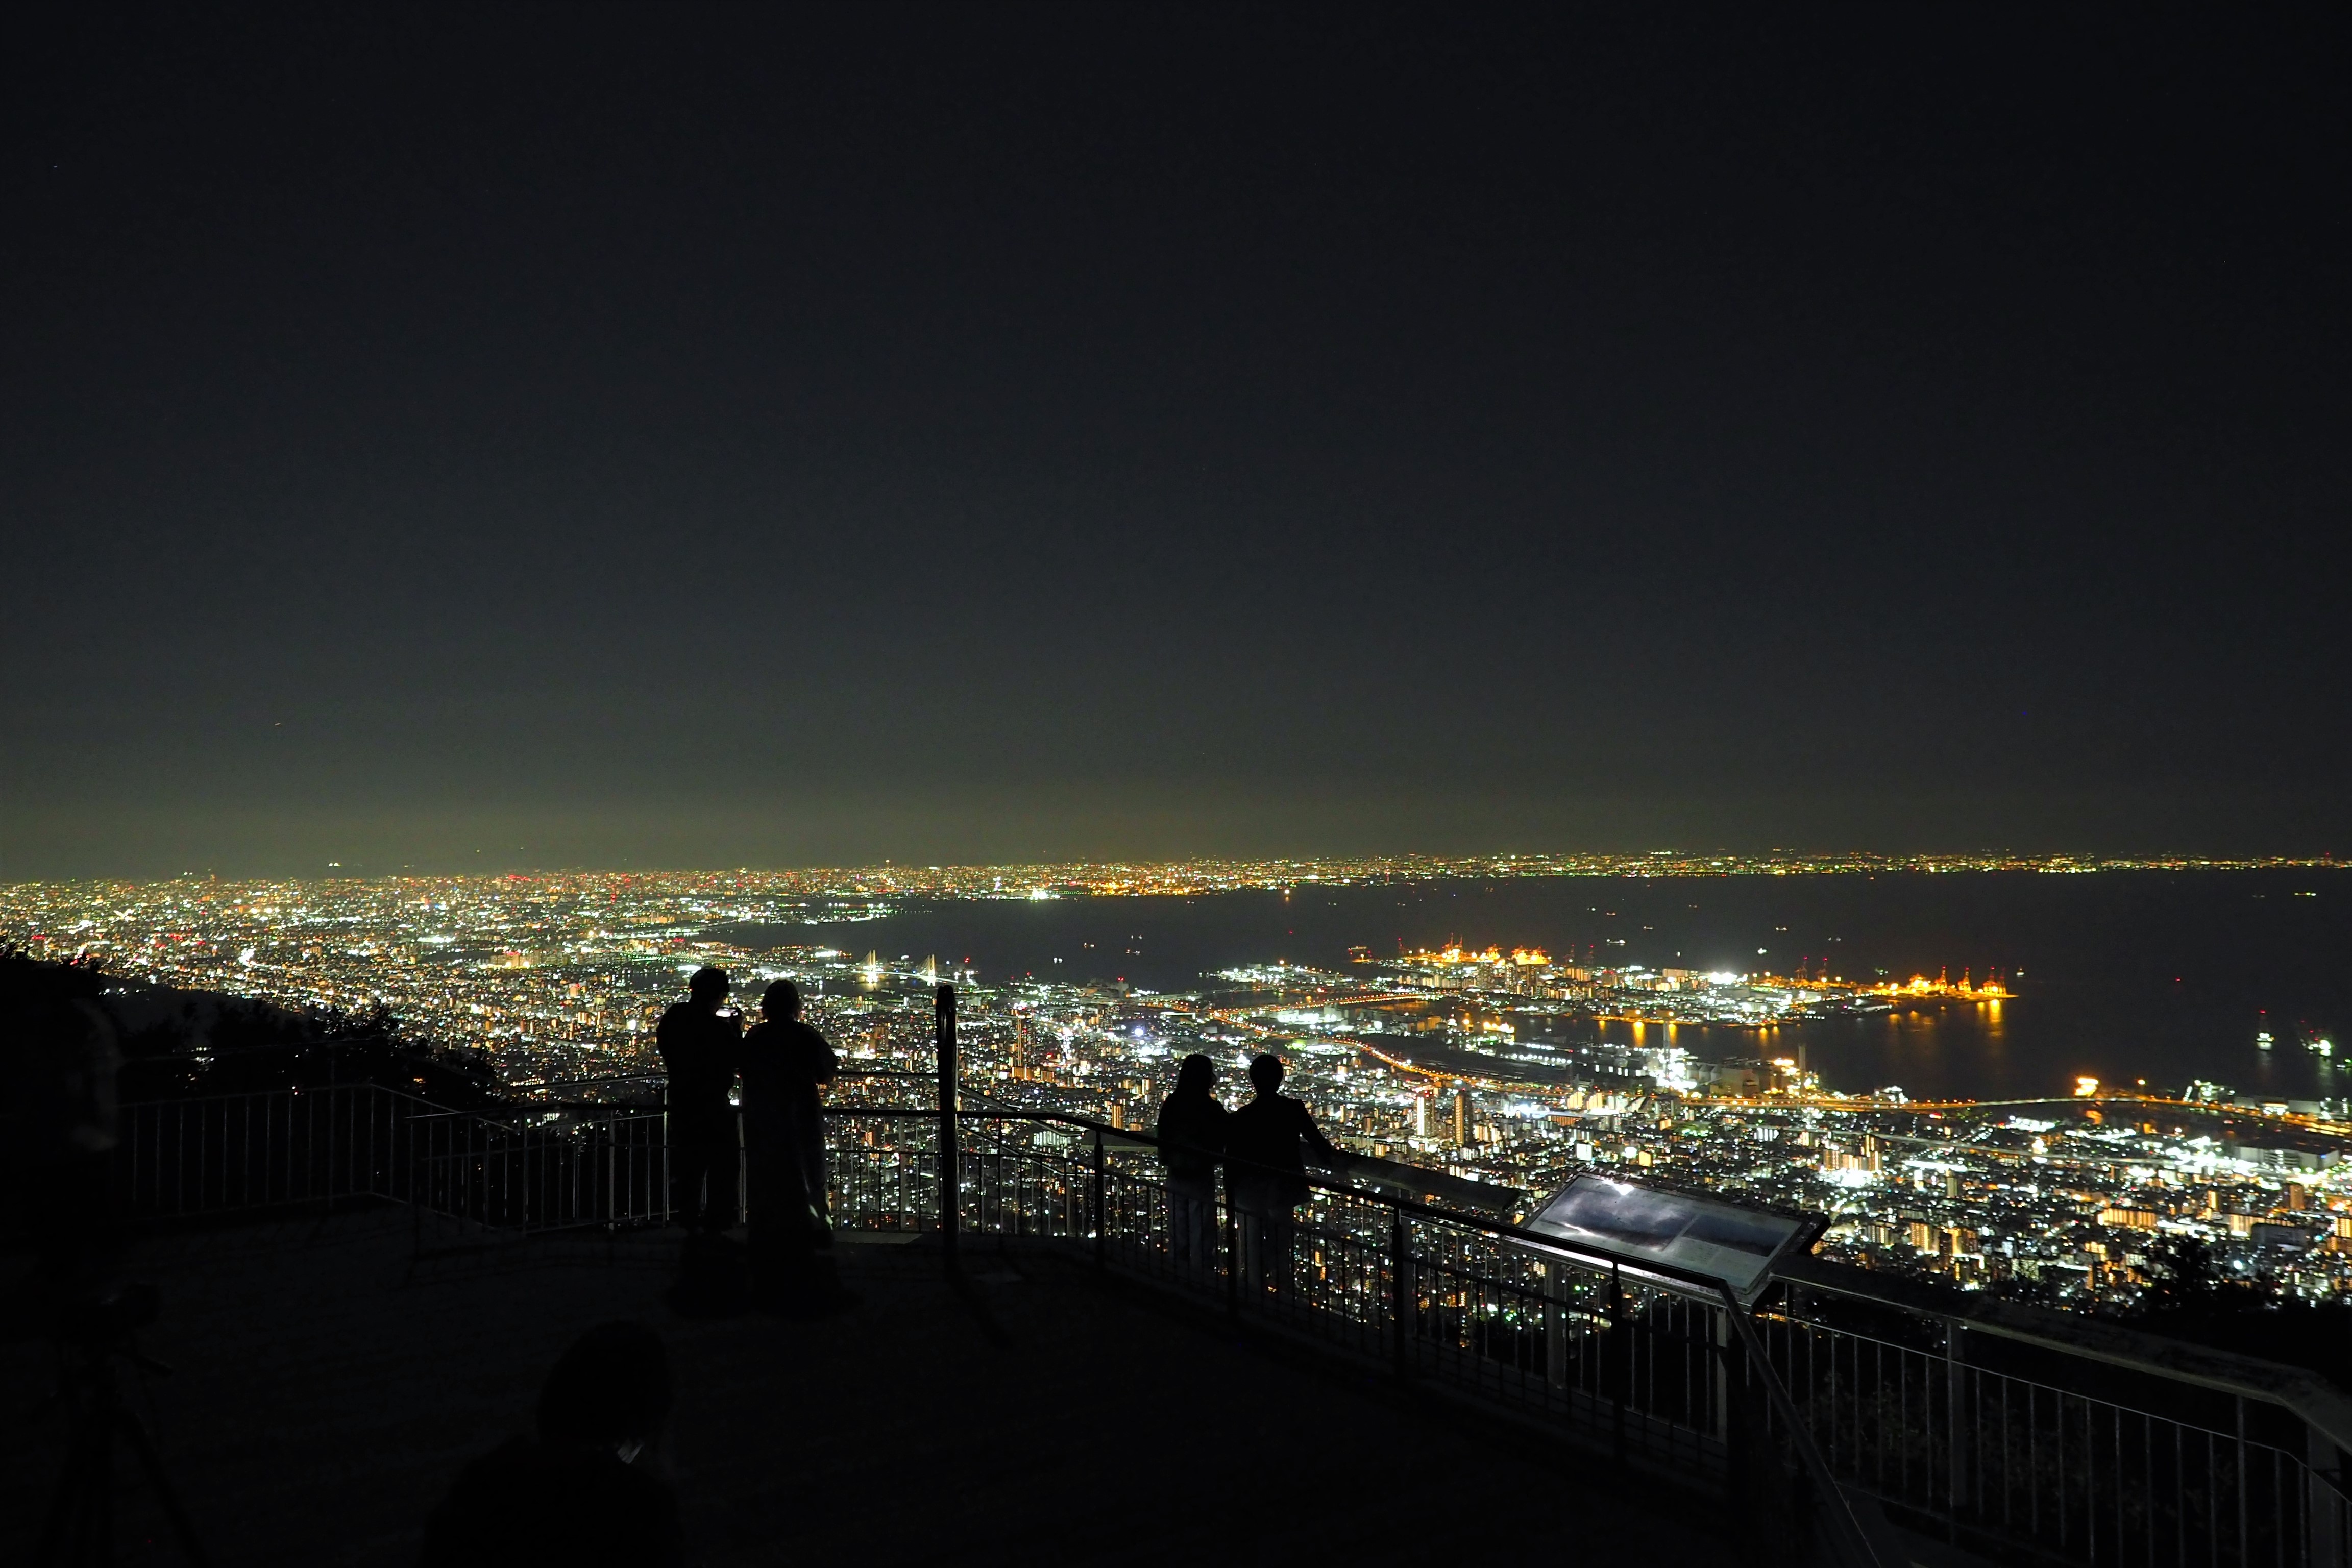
<point>2155,975</point>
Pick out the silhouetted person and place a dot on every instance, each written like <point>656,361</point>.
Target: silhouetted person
<point>583,1488</point>
<point>1269,1144</point>
<point>64,1078</point>
<point>700,1046</point>
<point>1192,1133</point>
<point>785,1064</point>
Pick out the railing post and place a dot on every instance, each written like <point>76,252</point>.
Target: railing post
<point>1743,1455</point>
<point>1233,1249</point>
<point>1720,1333</point>
<point>943,1027</point>
<point>1860,1546</point>
<point>2322,1528</point>
<point>1402,1292</point>
<point>1956,1425</point>
<point>2238,1449</point>
<point>1618,1361</point>
<point>1555,1293</point>
<point>330,1129</point>
<point>662,1175</point>
<point>1101,1214</point>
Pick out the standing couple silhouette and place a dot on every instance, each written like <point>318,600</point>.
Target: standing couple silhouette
<point>777,1161</point>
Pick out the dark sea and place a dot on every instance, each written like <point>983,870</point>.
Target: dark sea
<point>2158,975</point>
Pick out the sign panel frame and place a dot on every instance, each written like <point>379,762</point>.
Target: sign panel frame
<point>1640,1226</point>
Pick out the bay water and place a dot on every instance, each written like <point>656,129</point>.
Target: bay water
<point>2122,975</point>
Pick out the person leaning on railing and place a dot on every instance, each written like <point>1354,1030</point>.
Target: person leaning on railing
<point>1269,1144</point>
<point>1192,1133</point>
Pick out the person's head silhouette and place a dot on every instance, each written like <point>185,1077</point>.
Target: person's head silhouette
<point>781,1002</point>
<point>1265,1074</point>
<point>610,1392</point>
<point>579,1491</point>
<point>709,987</point>
<point>1196,1076</point>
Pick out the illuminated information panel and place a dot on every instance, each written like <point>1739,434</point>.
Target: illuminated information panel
<point>1641,1225</point>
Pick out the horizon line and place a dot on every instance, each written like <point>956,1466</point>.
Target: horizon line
<point>1238,872</point>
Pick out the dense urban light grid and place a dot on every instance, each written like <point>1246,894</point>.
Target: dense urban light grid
<point>1487,1064</point>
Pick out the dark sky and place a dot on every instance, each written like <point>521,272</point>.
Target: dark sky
<point>678,437</point>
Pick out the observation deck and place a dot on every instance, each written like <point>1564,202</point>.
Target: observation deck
<point>332,1375</point>
<point>362,1291</point>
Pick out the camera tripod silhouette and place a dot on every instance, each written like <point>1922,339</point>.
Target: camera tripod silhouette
<point>79,1529</point>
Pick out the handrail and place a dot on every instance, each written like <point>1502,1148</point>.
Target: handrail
<point>1671,1275</point>
<point>2301,1393</point>
<point>1854,1543</point>
<point>296,1090</point>
<point>1853,1537</point>
<point>1664,1273</point>
<point>2307,1394</point>
<point>1856,1539</point>
<point>547,1083</point>
<point>589,1083</point>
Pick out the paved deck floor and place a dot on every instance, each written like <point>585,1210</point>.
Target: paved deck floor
<point>328,1385</point>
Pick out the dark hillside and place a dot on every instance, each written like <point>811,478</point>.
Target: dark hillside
<point>187,1044</point>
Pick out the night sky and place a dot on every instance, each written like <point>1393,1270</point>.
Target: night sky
<point>673,436</point>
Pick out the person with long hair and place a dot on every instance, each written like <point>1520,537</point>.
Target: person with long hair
<point>1191,1134</point>
<point>787,1065</point>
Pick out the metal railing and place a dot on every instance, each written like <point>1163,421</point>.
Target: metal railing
<point>1645,1366</point>
<point>2057,1462</point>
<point>231,1154</point>
<point>1814,1419</point>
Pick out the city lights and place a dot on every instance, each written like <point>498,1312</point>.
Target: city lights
<point>1504,1065</point>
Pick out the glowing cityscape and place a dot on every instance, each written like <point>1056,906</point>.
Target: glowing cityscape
<point>1489,1063</point>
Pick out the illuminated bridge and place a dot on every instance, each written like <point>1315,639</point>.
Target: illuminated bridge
<point>361,1291</point>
